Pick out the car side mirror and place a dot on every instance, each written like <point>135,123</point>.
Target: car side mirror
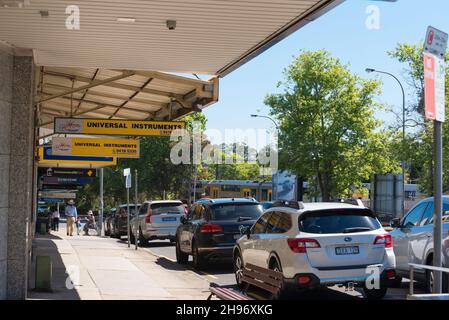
<point>395,223</point>
<point>183,219</point>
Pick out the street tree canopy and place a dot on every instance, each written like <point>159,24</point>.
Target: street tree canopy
<point>328,132</point>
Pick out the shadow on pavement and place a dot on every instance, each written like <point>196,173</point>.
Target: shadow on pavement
<point>44,245</point>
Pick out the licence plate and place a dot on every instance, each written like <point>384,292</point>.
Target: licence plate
<point>169,219</point>
<point>346,250</point>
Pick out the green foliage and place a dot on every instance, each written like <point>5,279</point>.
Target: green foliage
<point>419,143</point>
<point>328,132</point>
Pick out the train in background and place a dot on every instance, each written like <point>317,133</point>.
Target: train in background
<point>263,191</point>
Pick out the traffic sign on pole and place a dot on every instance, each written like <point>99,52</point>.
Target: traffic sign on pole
<point>436,42</point>
<point>434,94</point>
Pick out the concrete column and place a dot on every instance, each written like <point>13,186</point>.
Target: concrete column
<point>6,75</point>
<point>16,171</point>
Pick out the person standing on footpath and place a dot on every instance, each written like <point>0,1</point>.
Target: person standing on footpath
<point>71,215</point>
<point>56,217</point>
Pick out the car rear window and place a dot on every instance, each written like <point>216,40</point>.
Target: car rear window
<point>167,207</point>
<point>338,221</point>
<point>235,211</point>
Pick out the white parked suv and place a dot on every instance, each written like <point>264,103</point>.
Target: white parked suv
<point>156,220</point>
<point>320,244</point>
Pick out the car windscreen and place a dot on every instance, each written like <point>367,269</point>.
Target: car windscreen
<point>236,211</point>
<point>338,221</point>
<point>167,207</point>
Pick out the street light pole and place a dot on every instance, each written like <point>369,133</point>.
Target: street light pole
<point>370,70</point>
<point>277,131</point>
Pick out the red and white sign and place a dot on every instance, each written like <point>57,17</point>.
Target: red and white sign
<point>436,42</point>
<point>434,87</point>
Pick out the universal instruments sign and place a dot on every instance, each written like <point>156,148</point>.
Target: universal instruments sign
<point>116,127</point>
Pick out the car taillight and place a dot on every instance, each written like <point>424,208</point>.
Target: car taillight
<point>385,239</point>
<point>299,245</point>
<point>391,274</point>
<point>211,228</point>
<point>148,216</point>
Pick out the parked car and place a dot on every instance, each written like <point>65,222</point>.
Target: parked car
<point>108,222</point>
<point>413,241</point>
<point>156,220</point>
<point>318,244</point>
<point>119,221</point>
<point>210,230</point>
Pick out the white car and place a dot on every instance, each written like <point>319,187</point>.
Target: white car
<point>156,220</point>
<point>320,244</point>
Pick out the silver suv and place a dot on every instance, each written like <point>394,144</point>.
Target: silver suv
<point>413,241</point>
<point>156,220</point>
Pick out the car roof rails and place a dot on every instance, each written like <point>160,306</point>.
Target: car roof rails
<point>353,201</point>
<point>299,205</point>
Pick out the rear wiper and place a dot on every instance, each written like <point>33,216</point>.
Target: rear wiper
<point>356,229</point>
<point>244,218</point>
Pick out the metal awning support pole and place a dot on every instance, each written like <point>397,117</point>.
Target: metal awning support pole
<point>438,208</point>
<point>136,212</point>
<point>101,204</point>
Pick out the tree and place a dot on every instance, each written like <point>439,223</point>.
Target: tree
<point>420,140</point>
<point>328,133</point>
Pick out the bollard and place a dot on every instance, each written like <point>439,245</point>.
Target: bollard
<point>43,273</point>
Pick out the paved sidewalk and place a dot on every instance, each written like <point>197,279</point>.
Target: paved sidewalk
<point>108,269</point>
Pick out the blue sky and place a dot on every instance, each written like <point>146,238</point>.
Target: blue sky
<point>342,31</point>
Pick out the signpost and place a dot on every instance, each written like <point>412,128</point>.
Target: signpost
<point>121,148</point>
<point>116,127</point>
<point>67,172</point>
<point>66,181</point>
<point>127,174</point>
<point>60,195</point>
<point>434,79</point>
<point>47,157</point>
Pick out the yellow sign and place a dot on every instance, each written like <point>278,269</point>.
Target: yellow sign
<point>116,127</point>
<point>46,156</point>
<point>120,148</point>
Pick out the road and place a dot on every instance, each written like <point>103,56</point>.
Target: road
<point>222,274</point>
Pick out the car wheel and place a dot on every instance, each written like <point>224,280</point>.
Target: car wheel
<point>181,257</point>
<point>198,259</point>
<point>274,265</point>
<point>143,242</point>
<point>429,281</point>
<point>132,239</point>
<point>238,269</point>
<point>375,294</point>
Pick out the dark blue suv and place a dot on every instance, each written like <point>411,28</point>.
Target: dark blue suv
<point>211,228</point>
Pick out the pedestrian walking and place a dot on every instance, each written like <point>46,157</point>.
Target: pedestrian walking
<point>78,225</point>
<point>56,216</point>
<point>71,215</point>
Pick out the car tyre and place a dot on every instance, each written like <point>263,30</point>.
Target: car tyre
<point>143,242</point>
<point>238,269</point>
<point>198,259</point>
<point>181,257</point>
<point>132,239</point>
<point>375,294</point>
<point>429,281</point>
<point>275,266</point>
